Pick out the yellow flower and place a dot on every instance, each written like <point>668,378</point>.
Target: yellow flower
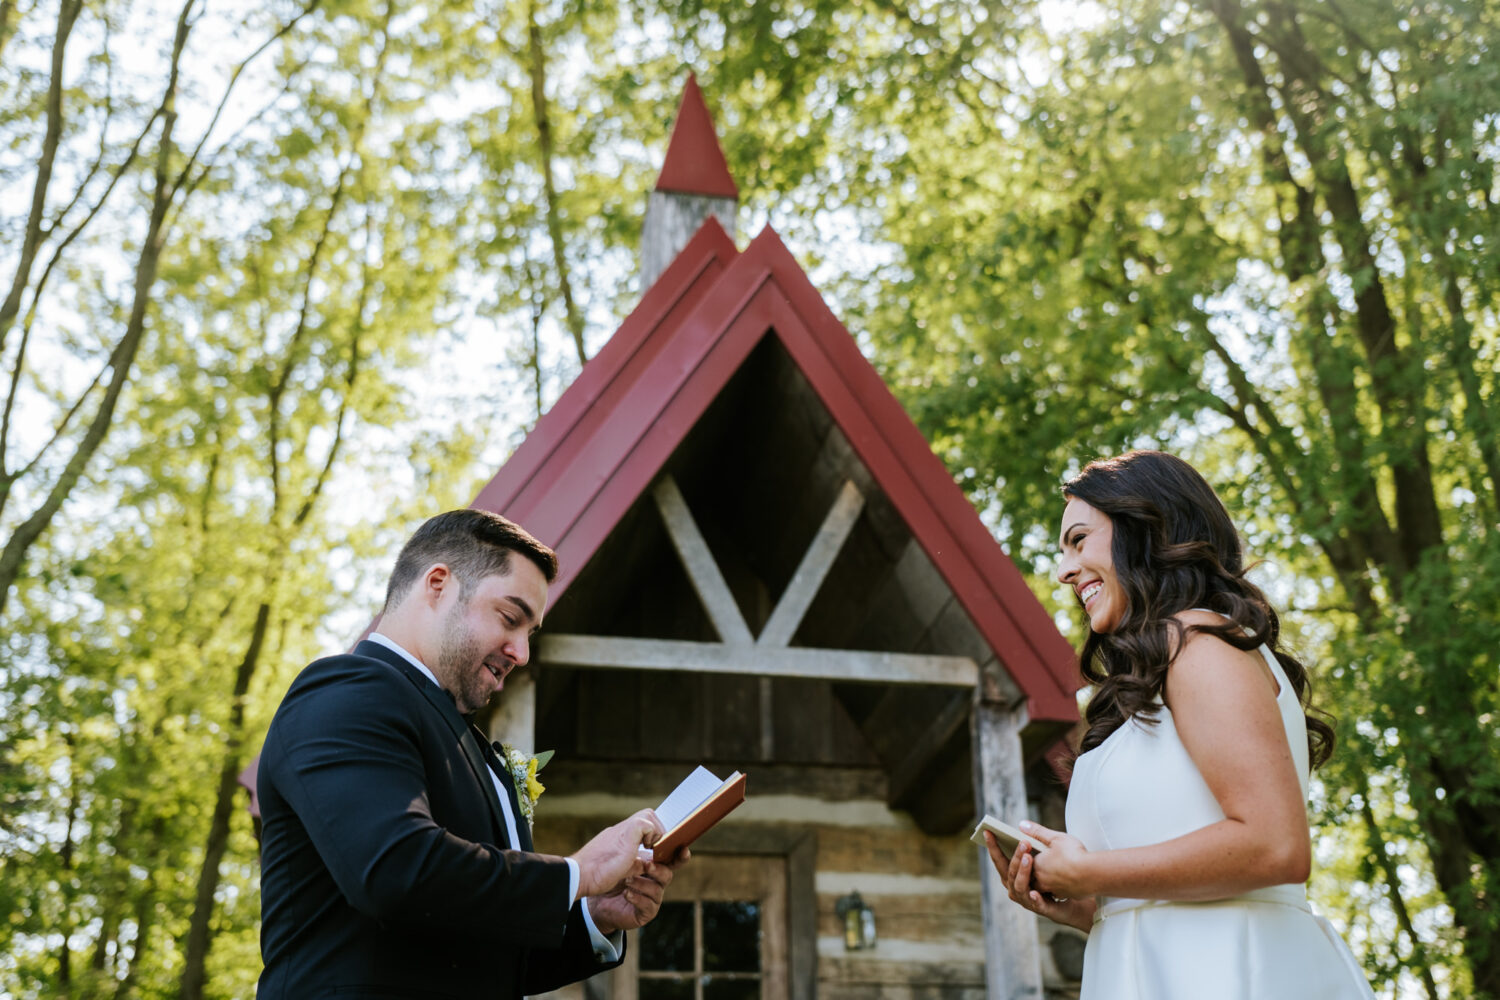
<point>534,788</point>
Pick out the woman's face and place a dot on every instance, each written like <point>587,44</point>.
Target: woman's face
<point>1088,565</point>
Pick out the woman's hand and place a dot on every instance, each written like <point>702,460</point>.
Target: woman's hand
<point>1059,870</point>
<point>1018,875</point>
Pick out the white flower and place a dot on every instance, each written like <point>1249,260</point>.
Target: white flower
<point>523,770</point>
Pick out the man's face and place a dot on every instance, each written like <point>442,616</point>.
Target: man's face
<point>487,632</point>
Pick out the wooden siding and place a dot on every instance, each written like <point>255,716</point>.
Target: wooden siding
<point>925,890</point>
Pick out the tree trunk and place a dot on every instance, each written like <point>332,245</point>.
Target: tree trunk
<point>145,913</point>
<point>1457,830</point>
<point>1376,844</point>
<point>538,68</point>
<point>65,868</point>
<point>195,952</point>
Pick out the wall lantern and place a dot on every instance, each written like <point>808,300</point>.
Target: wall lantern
<point>859,922</point>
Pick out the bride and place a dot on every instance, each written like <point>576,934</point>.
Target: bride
<point>1187,844</point>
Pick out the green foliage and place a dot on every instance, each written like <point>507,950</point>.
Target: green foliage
<point>1252,232</point>
<point>1255,232</point>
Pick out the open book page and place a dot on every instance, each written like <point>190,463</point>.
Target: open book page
<point>694,807</point>
<point>687,796</point>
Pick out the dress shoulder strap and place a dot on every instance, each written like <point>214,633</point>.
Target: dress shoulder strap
<point>1282,684</point>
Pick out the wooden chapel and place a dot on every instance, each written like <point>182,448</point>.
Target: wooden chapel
<point>765,568</point>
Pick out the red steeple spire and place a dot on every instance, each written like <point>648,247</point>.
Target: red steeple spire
<point>695,163</point>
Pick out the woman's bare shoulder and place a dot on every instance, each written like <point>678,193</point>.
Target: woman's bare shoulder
<point>1205,657</point>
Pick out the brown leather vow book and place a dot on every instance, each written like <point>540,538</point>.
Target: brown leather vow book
<point>694,807</point>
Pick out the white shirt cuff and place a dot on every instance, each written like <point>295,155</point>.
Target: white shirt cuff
<point>606,949</point>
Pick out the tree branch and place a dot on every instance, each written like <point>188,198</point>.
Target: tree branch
<point>26,534</point>
<point>1396,378</point>
<point>98,163</point>
<point>67,16</point>
<point>1300,239</point>
<point>190,178</point>
<point>234,78</point>
<point>27,324</point>
<point>279,380</point>
<point>196,946</point>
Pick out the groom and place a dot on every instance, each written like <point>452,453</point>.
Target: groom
<point>394,859</point>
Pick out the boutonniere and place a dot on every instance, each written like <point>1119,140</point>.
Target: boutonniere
<point>523,770</point>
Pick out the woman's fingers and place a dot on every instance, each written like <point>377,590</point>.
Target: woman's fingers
<point>1020,876</point>
<point>998,859</point>
<point>1016,874</point>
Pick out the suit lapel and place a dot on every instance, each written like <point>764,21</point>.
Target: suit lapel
<point>462,731</point>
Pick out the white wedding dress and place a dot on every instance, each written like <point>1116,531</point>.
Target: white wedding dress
<point>1140,787</point>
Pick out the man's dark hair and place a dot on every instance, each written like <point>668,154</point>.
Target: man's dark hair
<point>473,544</point>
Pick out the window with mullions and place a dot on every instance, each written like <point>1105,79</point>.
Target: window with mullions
<point>702,950</point>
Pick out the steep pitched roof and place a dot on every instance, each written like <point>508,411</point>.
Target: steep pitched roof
<point>694,163</point>
<point>609,436</point>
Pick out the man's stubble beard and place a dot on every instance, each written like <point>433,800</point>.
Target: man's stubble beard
<point>457,656</point>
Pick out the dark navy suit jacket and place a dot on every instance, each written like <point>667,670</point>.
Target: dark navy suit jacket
<point>385,868</point>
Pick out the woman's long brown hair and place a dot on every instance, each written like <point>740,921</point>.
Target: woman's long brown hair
<point>1174,549</point>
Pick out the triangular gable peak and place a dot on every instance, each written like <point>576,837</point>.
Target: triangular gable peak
<point>607,443</point>
<point>694,185</point>
<point>695,163</point>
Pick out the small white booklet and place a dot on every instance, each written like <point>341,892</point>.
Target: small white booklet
<point>1007,836</point>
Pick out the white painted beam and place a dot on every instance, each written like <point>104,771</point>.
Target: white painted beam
<point>671,220</point>
<point>816,562</point>
<point>602,651</point>
<point>514,719</point>
<point>1012,944</point>
<point>702,571</point>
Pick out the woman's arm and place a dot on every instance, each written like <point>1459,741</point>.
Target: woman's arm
<point>1223,702</point>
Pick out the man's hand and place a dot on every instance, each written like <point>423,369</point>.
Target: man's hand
<point>639,898</point>
<point>605,862</point>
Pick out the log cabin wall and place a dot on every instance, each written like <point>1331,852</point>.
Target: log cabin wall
<point>832,831</point>
<point>838,835</point>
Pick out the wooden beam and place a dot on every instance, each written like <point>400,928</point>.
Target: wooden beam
<point>513,720</point>
<point>1012,945</point>
<point>699,562</point>
<point>601,651</point>
<point>909,770</point>
<point>816,562</point>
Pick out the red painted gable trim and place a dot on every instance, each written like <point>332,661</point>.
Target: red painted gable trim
<point>982,577</point>
<point>609,436</point>
<point>695,163</point>
<point>524,485</point>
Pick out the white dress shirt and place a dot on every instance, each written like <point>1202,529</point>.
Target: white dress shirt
<point>607,948</point>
